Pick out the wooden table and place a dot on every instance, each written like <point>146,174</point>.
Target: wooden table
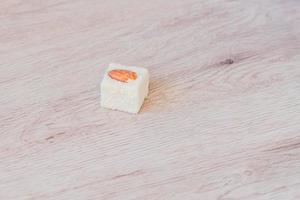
<point>222,120</point>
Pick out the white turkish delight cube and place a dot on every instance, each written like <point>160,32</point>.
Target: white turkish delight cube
<point>124,88</point>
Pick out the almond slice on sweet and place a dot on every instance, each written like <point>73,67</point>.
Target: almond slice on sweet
<point>122,75</point>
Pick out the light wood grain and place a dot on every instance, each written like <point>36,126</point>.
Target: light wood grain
<point>222,120</point>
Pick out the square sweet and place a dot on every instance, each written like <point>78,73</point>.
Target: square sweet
<point>124,88</point>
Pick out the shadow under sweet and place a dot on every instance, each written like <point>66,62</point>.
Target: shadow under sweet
<point>158,97</point>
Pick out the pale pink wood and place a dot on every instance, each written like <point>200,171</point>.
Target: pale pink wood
<point>222,120</point>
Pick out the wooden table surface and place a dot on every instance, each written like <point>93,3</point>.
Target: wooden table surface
<point>222,120</point>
